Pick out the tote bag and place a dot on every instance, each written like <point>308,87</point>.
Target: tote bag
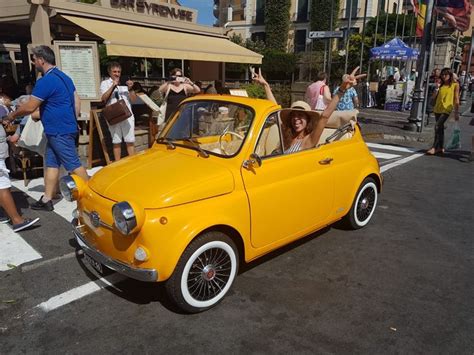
<point>32,137</point>
<point>320,105</point>
<point>162,112</point>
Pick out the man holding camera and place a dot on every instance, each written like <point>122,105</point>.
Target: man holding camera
<point>111,92</point>
<point>176,89</point>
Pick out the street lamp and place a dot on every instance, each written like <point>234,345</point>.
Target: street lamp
<point>416,115</point>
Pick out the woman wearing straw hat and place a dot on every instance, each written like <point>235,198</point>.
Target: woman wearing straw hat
<point>300,119</point>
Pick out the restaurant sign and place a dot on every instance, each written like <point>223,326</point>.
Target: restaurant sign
<point>147,7</point>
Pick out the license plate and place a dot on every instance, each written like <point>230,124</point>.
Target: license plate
<point>95,264</point>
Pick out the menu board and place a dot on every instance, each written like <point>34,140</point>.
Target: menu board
<point>79,60</point>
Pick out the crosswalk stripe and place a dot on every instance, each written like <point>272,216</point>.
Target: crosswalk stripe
<point>14,250</point>
<point>380,155</point>
<point>391,147</point>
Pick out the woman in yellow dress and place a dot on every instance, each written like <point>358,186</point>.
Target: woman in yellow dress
<point>447,100</point>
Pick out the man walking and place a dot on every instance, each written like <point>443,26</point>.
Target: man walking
<point>59,105</point>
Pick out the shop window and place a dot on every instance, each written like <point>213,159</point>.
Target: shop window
<point>302,15</point>
<point>300,41</point>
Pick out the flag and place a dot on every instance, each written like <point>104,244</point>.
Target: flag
<point>456,12</point>
<point>419,7</point>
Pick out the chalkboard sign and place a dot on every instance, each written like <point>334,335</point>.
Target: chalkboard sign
<point>100,141</point>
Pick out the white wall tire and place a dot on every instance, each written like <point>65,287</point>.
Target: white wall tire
<point>205,273</point>
<point>364,205</point>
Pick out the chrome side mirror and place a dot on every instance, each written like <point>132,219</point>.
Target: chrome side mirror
<point>254,161</point>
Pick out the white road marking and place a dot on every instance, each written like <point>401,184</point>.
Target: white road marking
<point>380,155</point>
<point>52,260</point>
<point>79,292</point>
<point>392,147</point>
<point>14,250</point>
<point>400,162</point>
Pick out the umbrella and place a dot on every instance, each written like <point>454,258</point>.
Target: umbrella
<point>394,49</point>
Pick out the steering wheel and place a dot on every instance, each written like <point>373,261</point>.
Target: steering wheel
<point>232,133</point>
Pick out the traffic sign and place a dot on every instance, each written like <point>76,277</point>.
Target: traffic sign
<point>325,34</point>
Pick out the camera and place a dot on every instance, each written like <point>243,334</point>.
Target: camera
<point>179,79</point>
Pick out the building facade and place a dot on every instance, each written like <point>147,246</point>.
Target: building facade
<point>246,17</point>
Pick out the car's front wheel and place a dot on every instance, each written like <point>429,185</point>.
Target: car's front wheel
<point>204,273</point>
<point>364,205</point>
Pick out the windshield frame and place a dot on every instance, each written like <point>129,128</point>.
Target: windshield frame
<point>175,116</point>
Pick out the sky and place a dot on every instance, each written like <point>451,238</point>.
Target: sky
<point>205,9</point>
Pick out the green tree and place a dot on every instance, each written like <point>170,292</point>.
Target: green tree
<point>277,24</point>
<point>320,15</point>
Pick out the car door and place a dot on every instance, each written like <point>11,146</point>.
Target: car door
<point>289,194</point>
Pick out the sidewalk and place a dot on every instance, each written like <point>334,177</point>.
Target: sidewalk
<point>387,126</point>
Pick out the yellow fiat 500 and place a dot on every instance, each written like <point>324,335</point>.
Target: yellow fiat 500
<point>217,189</point>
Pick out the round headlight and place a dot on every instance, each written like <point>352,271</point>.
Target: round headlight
<point>68,188</point>
<point>124,217</point>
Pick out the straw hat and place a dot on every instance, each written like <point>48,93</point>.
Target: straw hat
<point>298,106</point>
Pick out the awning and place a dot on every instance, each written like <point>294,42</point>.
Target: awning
<point>145,42</point>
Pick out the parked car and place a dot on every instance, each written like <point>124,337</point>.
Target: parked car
<point>217,190</point>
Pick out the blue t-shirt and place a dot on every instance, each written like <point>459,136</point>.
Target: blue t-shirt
<point>57,107</point>
<point>346,102</point>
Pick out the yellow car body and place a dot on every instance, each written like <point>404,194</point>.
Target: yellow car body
<point>178,193</point>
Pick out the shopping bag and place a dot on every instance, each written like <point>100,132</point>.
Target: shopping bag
<point>161,114</point>
<point>32,137</point>
<point>455,141</point>
<point>320,104</point>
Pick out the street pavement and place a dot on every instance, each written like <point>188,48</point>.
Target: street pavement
<point>403,284</point>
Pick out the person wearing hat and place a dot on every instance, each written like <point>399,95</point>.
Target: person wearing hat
<point>304,125</point>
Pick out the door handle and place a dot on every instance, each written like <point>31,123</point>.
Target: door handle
<point>326,161</point>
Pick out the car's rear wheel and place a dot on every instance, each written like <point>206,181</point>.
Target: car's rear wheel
<point>205,273</point>
<point>364,204</point>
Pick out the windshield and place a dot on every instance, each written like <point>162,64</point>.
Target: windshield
<point>210,127</point>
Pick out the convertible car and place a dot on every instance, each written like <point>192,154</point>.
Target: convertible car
<point>217,190</point>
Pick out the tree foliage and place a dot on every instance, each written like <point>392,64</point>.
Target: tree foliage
<point>320,15</point>
<point>391,24</point>
<point>277,24</point>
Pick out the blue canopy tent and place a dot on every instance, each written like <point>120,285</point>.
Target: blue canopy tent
<point>394,49</point>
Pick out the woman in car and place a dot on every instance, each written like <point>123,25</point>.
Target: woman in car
<point>300,118</point>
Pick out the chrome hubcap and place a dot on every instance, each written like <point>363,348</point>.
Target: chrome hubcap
<point>366,204</point>
<point>209,274</point>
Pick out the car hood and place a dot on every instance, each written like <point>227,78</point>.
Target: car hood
<point>157,179</point>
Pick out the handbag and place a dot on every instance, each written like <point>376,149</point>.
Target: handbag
<point>116,112</point>
<point>320,105</point>
<point>32,137</point>
<point>455,141</point>
<point>162,112</point>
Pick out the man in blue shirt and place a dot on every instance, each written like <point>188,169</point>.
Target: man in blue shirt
<point>59,105</point>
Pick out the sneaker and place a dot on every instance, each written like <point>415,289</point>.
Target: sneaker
<point>4,219</point>
<point>40,205</point>
<point>27,223</point>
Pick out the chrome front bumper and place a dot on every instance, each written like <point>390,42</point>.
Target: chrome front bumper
<point>149,275</point>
